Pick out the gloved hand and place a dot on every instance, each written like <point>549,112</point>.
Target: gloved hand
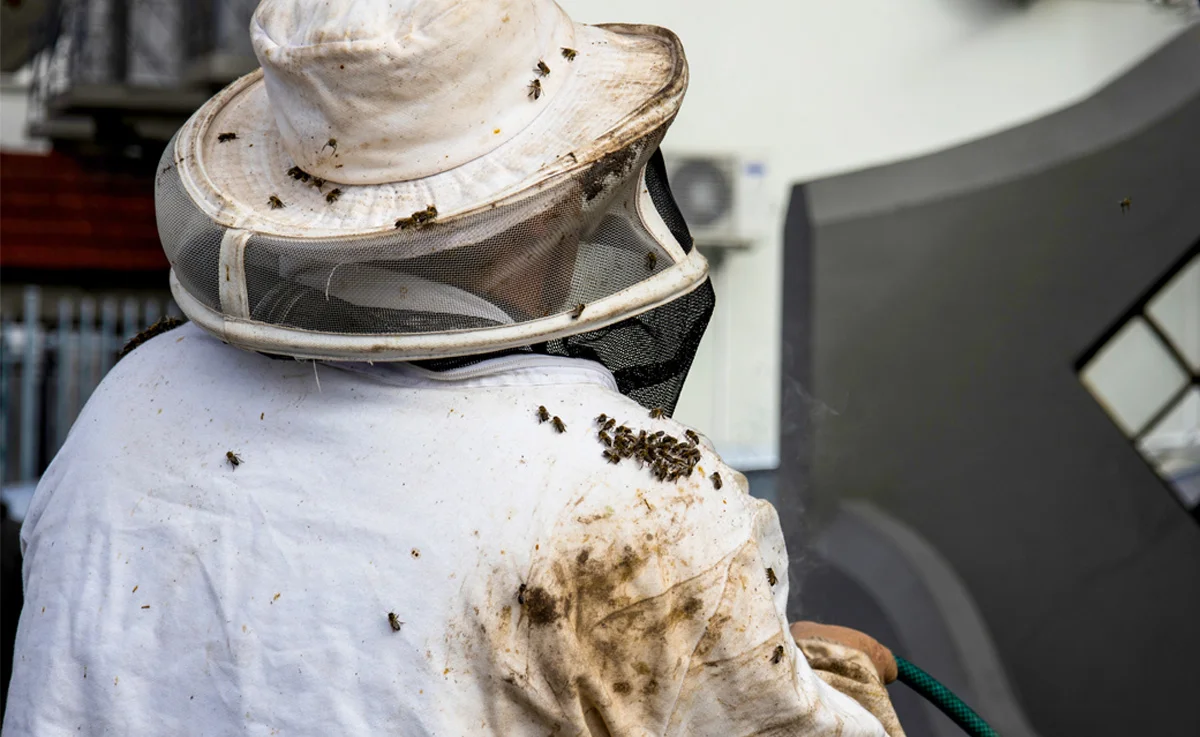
<point>881,657</point>
<point>853,663</point>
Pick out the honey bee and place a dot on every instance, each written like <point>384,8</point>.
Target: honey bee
<point>601,418</point>
<point>543,414</point>
<point>428,215</point>
<point>658,413</point>
<point>692,436</point>
<point>535,89</point>
<point>234,459</point>
<point>222,138</point>
<point>777,656</point>
<point>1125,204</point>
<point>333,195</point>
<point>331,143</point>
<point>521,594</point>
<point>394,621</point>
<point>568,54</point>
<point>612,457</point>
<point>559,425</point>
<point>318,182</point>
<point>605,438</point>
<point>298,174</point>
<point>771,578</point>
<point>608,425</point>
<point>542,69</point>
<point>274,202</point>
<point>716,480</point>
<point>577,312</point>
<point>651,260</point>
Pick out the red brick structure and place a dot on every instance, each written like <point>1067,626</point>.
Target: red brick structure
<point>59,213</point>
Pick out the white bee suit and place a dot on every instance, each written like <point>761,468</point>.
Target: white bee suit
<point>169,592</point>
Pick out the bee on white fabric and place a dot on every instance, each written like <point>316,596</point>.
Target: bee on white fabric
<point>234,459</point>
<point>658,413</point>
<point>777,656</point>
<point>568,54</point>
<point>692,436</point>
<point>542,69</point>
<point>333,195</point>
<point>535,89</point>
<point>331,143</point>
<point>771,577</point>
<point>577,312</point>
<point>394,621</point>
<point>716,480</point>
<point>543,414</point>
<point>559,425</point>
<point>298,174</point>
<point>222,138</point>
<point>274,202</point>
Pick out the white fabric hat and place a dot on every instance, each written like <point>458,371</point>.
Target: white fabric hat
<point>431,101</point>
<point>522,134</point>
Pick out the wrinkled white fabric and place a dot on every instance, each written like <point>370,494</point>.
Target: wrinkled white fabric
<point>168,592</point>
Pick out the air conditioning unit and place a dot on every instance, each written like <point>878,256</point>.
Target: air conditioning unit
<point>717,194</point>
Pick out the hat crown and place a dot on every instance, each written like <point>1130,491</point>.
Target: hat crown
<point>372,91</point>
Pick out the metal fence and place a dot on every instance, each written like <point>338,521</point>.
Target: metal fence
<point>51,361</point>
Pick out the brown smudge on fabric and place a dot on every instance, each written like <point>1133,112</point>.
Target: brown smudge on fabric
<point>541,607</point>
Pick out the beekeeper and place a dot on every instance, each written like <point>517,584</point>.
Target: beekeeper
<point>410,469</point>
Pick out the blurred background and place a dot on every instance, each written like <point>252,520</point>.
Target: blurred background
<point>956,247</point>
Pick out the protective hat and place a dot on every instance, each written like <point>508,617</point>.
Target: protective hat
<point>422,179</point>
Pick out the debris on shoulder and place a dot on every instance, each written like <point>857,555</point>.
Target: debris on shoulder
<point>164,325</point>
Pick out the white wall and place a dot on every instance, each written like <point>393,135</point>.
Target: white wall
<point>14,107</point>
<point>818,88</point>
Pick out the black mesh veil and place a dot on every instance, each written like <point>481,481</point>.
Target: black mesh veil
<point>649,355</point>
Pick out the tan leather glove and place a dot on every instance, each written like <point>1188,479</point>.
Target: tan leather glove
<point>853,663</point>
<point>881,657</point>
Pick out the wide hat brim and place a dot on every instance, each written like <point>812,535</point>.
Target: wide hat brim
<point>626,82</point>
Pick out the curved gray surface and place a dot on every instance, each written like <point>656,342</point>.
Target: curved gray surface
<point>938,624</point>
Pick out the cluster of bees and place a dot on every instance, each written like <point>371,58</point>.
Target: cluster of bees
<point>667,458</point>
<point>418,218</point>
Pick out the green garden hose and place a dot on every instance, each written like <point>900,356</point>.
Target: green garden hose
<point>941,697</point>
